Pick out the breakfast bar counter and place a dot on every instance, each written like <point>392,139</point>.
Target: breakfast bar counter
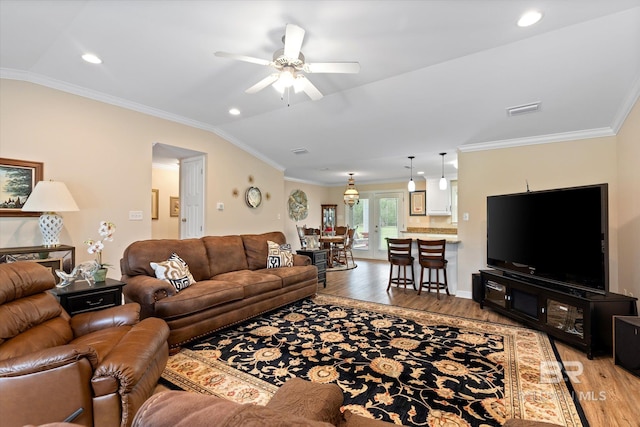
<point>451,251</point>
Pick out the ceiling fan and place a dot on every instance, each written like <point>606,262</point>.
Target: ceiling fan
<point>291,66</point>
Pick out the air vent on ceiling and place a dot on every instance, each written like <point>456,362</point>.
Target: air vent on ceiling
<point>300,151</point>
<point>523,109</point>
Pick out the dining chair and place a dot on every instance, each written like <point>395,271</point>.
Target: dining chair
<point>399,254</point>
<point>344,248</point>
<point>431,257</point>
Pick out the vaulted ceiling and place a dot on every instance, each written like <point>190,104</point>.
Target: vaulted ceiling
<point>435,76</point>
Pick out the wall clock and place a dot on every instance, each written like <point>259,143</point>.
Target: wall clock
<point>298,205</point>
<point>253,197</point>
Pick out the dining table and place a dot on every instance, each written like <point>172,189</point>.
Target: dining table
<point>329,242</point>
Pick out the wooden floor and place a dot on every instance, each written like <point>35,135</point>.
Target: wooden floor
<point>609,395</point>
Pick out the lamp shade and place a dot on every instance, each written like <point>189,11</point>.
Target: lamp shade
<point>50,196</point>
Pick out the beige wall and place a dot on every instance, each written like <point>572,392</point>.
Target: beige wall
<point>545,166</point>
<point>103,153</point>
<point>629,203</point>
<point>316,196</point>
<point>167,182</point>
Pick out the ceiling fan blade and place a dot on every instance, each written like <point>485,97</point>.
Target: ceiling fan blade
<point>293,41</point>
<point>262,83</point>
<point>333,67</point>
<point>243,58</point>
<point>302,83</point>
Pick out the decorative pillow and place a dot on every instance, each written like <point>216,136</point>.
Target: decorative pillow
<point>279,255</point>
<point>175,271</point>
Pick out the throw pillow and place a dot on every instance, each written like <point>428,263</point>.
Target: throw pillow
<point>279,255</point>
<point>174,257</point>
<point>175,271</point>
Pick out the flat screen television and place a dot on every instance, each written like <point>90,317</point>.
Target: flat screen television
<point>554,237</point>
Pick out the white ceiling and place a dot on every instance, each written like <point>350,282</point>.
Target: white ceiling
<point>435,75</point>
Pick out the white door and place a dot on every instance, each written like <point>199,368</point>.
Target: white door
<point>377,216</point>
<point>192,197</point>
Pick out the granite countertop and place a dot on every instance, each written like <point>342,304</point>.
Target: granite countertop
<point>432,230</point>
<point>449,234</point>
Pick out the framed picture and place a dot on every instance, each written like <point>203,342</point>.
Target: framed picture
<point>18,178</point>
<point>154,203</point>
<point>418,203</point>
<point>174,206</point>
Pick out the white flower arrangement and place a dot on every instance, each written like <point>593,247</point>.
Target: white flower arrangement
<point>106,231</point>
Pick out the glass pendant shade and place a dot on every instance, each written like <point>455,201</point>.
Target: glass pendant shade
<point>411,186</point>
<point>443,181</point>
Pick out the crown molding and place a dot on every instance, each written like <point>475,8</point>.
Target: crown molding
<point>12,74</point>
<point>542,139</point>
<point>626,107</point>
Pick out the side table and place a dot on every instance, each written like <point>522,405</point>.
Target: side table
<point>319,259</point>
<point>80,297</point>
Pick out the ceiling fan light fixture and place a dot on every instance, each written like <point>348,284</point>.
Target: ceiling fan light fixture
<point>287,77</point>
<point>411,186</point>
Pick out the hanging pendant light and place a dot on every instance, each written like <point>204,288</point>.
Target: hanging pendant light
<point>351,195</point>
<point>411,186</point>
<point>443,180</point>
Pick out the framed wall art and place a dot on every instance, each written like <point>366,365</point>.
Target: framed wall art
<point>174,206</point>
<point>18,178</point>
<point>154,203</point>
<point>418,203</point>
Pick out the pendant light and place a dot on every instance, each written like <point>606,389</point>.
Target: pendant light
<point>443,180</point>
<point>351,195</point>
<point>411,186</point>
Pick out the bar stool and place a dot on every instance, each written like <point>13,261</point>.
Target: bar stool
<point>399,253</point>
<point>431,257</point>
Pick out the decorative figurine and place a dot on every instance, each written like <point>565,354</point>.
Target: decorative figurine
<point>86,270</point>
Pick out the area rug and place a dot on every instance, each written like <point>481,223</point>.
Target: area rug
<point>395,364</point>
<point>342,267</point>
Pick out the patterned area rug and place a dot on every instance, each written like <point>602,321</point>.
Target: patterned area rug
<point>342,267</point>
<point>400,365</point>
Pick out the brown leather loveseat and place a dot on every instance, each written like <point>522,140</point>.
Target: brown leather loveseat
<point>233,282</point>
<point>104,364</point>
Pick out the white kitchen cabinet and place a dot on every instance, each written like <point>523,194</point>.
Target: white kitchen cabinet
<point>438,201</point>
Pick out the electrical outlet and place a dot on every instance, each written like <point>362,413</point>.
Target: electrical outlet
<point>135,215</point>
<point>465,216</point>
<point>220,206</point>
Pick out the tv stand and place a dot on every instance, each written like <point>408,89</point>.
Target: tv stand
<point>582,319</point>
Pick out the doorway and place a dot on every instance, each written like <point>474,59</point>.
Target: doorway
<point>378,216</point>
<point>178,175</point>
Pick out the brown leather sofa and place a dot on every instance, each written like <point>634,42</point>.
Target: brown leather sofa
<point>297,403</point>
<point>106,363</point>
<point>232,282</point>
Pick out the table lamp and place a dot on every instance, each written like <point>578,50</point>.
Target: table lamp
<point>50,197</point>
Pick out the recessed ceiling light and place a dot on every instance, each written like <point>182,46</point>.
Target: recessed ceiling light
<point>529,18</point>
<point>91,58</point>
<point>420,172</point>
<point>234,112</point>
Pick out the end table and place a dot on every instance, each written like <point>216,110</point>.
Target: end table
<point>80,297</point>
<point>319,259</point>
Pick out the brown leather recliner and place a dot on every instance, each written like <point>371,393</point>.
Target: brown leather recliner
<point>104,363</point>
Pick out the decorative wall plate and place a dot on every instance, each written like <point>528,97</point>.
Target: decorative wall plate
<point>253,197</point>
<point>298,205</point>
